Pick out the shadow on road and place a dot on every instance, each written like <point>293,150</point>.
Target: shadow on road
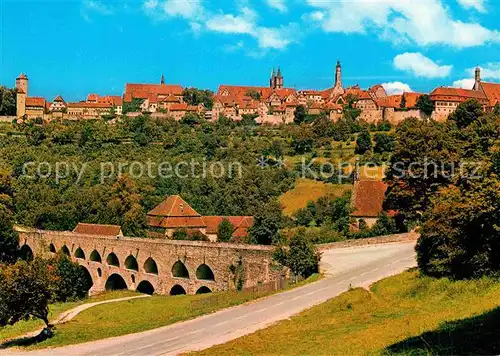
<point>477,335</point>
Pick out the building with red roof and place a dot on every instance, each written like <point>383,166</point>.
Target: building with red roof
<point>174,213</point>
<point>367,200</point>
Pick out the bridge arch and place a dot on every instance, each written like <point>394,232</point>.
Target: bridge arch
<point>150,266</point>
<point>146,287</point>
<point>65,250</point>
<point>26,253</point>
<point>95,256</point>
<point>115,282</point>
<point>52,248</point>
<point>179,270</point>
<point>79,253</point>
<point>112,260</point>
<point>89,282</point>
<point>203,290</point>
<point>177,290</point>
<point>131,263</point>
<point>205,273</point>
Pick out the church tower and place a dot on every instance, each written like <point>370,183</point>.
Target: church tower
<point>477,79</point>
<point>279,80</point>
<point>162,80</point>
<point>338,88</point>
<point>272,81</point>
<point>22,94</point>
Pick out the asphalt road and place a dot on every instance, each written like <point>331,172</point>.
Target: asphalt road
<point>356,267</point>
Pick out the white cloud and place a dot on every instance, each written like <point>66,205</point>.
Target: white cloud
<point>246,23</point>
<point>97,6</point>
<point>473,4</point>
<point>187,9</point>
<point>227,23</point>
<point>424,23</point>
<point>396,88</point>
<point>464,83</point>
<point>278,5</point>
<point>421,66</point>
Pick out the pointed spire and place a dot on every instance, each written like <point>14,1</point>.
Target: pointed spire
<point>162,81</point>
<point>279,72</point>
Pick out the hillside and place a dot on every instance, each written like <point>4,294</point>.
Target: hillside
<point>405,314</point>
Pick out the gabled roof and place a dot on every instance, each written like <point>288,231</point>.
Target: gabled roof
<point>173,206</point>
<point>98,229</point>
<point>241,224</point>
<point>84,104</point>
<point>368,197</point>
<point>22,76</point>
<point>141,91</point>
<point>411,99</point>
<point>492,91</point>
<point>59,99</point>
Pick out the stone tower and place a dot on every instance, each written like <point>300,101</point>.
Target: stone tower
<point>477,79</point>
<point>338,88</point>
<point>22,93</point>
<point>272,81</point>
<point>279,80</point>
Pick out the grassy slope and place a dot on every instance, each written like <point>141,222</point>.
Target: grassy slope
<point>138,315</point>
<point>24,327</point>
<point>405,314</point>
<point>306,190</point>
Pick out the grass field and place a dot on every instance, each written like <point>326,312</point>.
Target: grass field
<point>143,314</point>
<point>405,314</point>
<point>24,327</point>
<point>306,190</point>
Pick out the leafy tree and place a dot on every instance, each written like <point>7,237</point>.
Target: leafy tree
<point>425,155</point>
<point>225,231</point>
<point>132,106</point>
<point>402,105</point>
<point>254,94</point>
<point>425,104</point>
<point>7,101</point>
<point>198,236</point>
<point>194,96</point>
<point>363,143</point>
<point>300,114</point>
<point>384,143</point>
<point>302,139</point>
<point>70,281</point>
<point>461,236</point>
<point>36,135</point>
<point>125,208</point>
<point>9,239</point>
<point>300,256</point>
<point>496,109</point>
<point>25,291</point>
<point>180,234</point>
<point>466,113</point>
<point>385,225</point>
<point>267,223</point>
<point>190,119</point>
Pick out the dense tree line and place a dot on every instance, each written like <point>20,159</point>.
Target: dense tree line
<point>445,177</point>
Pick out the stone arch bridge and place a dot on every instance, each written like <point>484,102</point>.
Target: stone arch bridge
<point>156,265</point>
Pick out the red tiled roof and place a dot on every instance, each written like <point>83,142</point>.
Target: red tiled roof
<point>92,97</point>
<point>411,99</point>
<point>492,91</point>
<point>142,91</point>
<point>178,107</point>
<point>22,76</point>
<point>392,101</point>
<point>368,197</point>
<point>111,99</point>
<point>97,229</point>
<point>173,206</point>
<point>35,101</point>
<point>241,224</point>
<point>456,94</point>
<point>84,104</point>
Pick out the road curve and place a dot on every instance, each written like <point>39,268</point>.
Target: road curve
<point>355,266</point>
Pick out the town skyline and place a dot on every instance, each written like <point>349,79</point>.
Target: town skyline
<point>100,46</point>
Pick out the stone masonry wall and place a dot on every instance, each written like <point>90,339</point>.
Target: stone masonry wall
<point>256,260</point>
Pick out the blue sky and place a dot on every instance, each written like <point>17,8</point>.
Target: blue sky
<point>76,47</point>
